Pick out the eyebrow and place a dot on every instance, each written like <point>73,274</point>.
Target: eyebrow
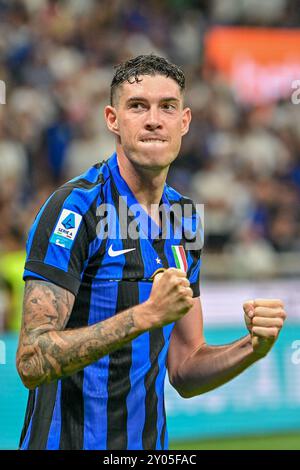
<point>140,98</point>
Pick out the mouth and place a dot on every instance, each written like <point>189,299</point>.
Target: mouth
<point>153,141</point>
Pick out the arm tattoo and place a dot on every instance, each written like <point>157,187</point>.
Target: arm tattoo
<point>47,352</point>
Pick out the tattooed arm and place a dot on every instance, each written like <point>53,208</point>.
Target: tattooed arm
<point>47,352</point>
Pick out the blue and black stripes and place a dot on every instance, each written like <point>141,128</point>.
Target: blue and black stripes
<point>118,401</point>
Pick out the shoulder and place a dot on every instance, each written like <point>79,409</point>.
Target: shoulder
<point>75,201</point>
<point>83,189</point>
<point>80,193</point>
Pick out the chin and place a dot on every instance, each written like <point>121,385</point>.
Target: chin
<point>154,157</point>
<point>150,160</point>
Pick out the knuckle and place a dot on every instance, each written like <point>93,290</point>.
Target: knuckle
<point>255,330</point>
<point>247,304</point>
<point>170,273</point>
<point>283,314</point>
<point>273,332</point>
<point>181,290</point>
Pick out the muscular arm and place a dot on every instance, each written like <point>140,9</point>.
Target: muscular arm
<point>47,352</point>
<point>195,367</point>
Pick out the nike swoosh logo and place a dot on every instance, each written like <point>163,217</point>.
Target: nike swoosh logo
<point>113,253</point>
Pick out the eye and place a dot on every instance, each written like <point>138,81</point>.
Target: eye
<point>169,106</point>
<point>137,105</point>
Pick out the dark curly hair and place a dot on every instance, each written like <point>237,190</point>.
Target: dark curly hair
<point>150,64</point>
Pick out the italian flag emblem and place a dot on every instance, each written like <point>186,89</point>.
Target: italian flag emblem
<point>180,258</point>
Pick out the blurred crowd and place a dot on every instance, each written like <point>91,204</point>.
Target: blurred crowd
<point>57,58</point>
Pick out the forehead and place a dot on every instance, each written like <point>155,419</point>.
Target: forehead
<point>150,87</point>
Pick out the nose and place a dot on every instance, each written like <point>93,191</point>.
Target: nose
<point>153,121</point>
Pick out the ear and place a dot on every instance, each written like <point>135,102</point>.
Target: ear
<point>186,119</point>
<point>111,119</point>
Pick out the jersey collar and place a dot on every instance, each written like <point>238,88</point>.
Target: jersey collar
<point>125,192</point>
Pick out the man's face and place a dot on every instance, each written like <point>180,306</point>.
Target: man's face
<point>149,119</point>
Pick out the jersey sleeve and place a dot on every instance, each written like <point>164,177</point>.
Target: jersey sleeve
<point>194,243</point>
<point>57,245</point>
<point>193,274</point>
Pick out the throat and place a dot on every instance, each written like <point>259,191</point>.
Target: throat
<point>147,185</point>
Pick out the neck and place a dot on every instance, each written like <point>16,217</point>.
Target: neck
<point>146,184</point>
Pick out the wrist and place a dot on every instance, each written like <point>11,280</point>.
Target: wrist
<point>143,316</point>
<point>261,347</point>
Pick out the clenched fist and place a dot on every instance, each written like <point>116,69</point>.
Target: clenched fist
<point>171,298</point>
<point>264,319</point>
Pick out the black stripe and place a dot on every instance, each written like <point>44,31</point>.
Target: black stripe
<point>119,384</point>
<point>42,417</point>
<point>159,246</point>
<point>72,403</point>
<point>46,223</point>
<point>134,265</point>
<point>83,183</point>
<point>195,254</point>
<point>72,412</point>
<point>28,414</point>
<point>50,215</point>
<point>72,386</point>
<point>177,223</point>
<point>157,342</point>
<point>86,234</point>
<point>56,275</point>
<point>120,361</point>
<point>163,431</point>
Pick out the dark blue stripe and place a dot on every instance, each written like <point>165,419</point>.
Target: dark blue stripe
<point>28,273</point>
<point>55,428</point>
<point>73,394</point>
<point>91,175</point>
<point>42,417</point>
<point>102,306</point>
<point>25,443</point>
<point>160,386</point>
<point>79,201</point>
<point>194,274</point>
<point>119,376</point>
<point>137,395</point>
<point>34,226</point>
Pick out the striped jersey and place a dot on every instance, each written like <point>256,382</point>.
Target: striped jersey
<point>79,241</point>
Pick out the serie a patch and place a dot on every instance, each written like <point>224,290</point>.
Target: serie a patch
<point>66,229</point>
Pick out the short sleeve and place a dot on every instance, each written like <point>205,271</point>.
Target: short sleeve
<point>57,245</point>
<point>193,243</point>
<point>193,274</point>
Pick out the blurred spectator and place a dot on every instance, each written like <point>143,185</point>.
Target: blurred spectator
<point>252,255</point>
<point>5,305</point>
